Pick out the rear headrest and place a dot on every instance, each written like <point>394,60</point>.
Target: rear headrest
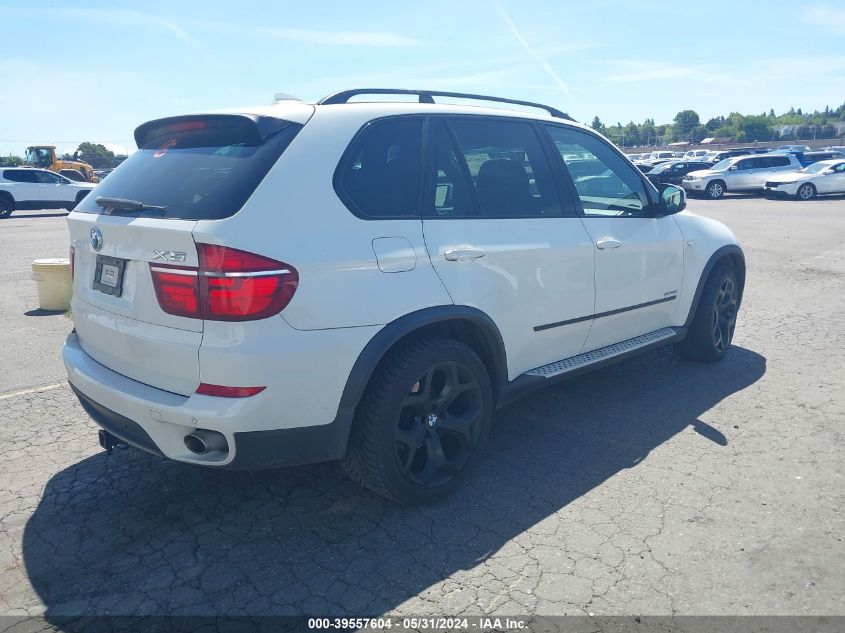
<point>503,188</point>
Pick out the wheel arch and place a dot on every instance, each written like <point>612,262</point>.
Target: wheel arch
<point>730,255</point>
<point>464,323</point>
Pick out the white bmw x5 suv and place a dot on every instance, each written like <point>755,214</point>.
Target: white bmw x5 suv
<point>368,282</point>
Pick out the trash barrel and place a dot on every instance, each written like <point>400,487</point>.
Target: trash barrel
<point>52,277</point>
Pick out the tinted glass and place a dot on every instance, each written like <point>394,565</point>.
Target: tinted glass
<point>201,169</point>
<point>617,191</point>
<point>381,174</point>
<point>507,167</point>
<point>453,194</point>
<point>21,175</point>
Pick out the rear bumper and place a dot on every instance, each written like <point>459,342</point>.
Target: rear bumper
<point>158,421</point>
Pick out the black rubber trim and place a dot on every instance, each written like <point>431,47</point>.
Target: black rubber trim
<point>121,427</point>
<point>257,450</point>
<point>374,351</point>
<point>538,328</point>
<point>526,384</point>
<point>725,251</point>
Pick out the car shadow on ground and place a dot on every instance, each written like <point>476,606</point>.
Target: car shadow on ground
<point>132,534</point>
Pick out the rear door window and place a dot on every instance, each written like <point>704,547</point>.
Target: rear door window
<point>199,168</point>
<point>506,167</point>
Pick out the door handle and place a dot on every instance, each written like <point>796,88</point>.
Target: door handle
<point>463,254</point>
<point>608,242</point>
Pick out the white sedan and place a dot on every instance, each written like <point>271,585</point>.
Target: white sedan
<point>823,177</point>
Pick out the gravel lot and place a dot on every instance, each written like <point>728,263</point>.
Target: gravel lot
<point>651,487</point>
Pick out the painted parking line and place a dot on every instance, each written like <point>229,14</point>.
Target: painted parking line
<point>23,392</point>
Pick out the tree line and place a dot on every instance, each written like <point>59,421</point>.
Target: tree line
<point>687,126</point>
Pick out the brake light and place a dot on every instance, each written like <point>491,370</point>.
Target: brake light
<point>229,285</point>
<point>228,392</point>
<point>71,254</point>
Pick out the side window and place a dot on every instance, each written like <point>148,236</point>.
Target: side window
<point>748,163</point>
<point>46,178</point>
<point>612,188</point>
<point>506,166</point>
<point>778,161</point>
<point>380,174</point>
<point>453,188</point>
<point>840,168</point>
<point>21,175</point>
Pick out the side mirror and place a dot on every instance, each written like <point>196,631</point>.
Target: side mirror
<point>827,172</point>
<point>733,168</point>
<point>672,200</point>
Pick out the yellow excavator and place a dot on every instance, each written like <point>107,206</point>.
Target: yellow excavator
<point>44,156</point>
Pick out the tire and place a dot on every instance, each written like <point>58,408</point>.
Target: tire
<point>79,198</point>
<point>711,331</point>
<point>807,191</point>
<point>7,205</point>
<point>715,189</point>
<point>423,422</point>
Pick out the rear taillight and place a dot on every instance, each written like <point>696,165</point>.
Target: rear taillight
<point>70,257</point>
<point>229,285</point>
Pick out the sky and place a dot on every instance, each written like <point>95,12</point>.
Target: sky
<point>93,71</point>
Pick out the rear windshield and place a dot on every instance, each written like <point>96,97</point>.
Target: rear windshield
<point>198,168</point>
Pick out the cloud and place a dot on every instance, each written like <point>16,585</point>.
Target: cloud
<point>117,17</point>
<point>542,61</point>
<point>379,39</point>
<point>826,17</point>
<point>637,71</point>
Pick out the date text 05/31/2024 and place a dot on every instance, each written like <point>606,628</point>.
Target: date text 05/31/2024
<point>431,623</point>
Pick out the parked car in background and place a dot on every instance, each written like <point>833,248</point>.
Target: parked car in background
<point>695,154</point>
<point>673,172</point>
<point>740,173</point>
<point>820,178</point>
<point>808,158</point>
<point>30,188</point>
<point>73,174</point>
<point>793,148</point>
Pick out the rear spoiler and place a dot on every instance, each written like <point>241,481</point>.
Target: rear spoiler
<point>249,129</point>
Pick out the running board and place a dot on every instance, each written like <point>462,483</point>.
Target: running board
<point>603,353</point>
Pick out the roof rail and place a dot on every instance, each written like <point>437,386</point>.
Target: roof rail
<point>427,96</point>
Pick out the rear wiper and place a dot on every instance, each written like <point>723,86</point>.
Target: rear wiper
<point>122,204</point>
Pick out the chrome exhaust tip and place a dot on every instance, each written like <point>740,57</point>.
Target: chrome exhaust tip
<point>203,441</point>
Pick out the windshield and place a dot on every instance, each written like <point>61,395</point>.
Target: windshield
<point>816,168</point>
<point>661,168</point>
<point>198,170</point>
<point>722,165</point>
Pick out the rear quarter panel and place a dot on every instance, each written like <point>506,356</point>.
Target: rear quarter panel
<point>296,217</point>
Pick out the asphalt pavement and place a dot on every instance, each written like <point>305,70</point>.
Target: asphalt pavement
<point>652,487</point>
